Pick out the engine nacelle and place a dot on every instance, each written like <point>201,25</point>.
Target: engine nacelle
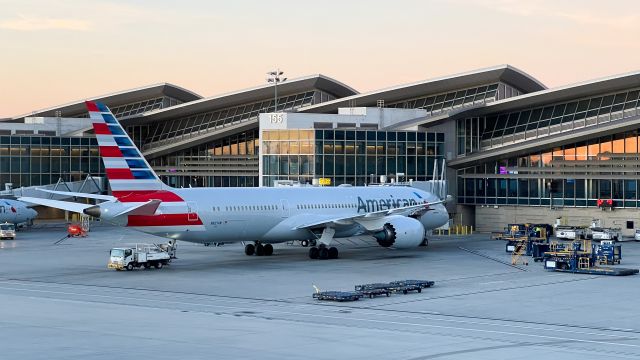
<point>400,232</point>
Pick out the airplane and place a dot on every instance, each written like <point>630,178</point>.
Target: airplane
<point>396,216</point>
<point>16,212</point>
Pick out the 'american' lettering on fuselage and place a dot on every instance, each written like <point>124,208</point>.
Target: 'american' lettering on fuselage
<point>373,205</point>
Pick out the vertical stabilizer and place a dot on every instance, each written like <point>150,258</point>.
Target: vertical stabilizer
<point>128,172</point>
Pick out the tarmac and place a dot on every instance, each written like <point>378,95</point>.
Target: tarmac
<point>61,302</point>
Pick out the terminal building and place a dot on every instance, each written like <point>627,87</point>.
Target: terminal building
<point>515,150</point>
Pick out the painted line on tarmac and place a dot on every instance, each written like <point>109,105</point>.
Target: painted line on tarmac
<point>346,318</point>
<point>474,252</point>
<point>372,321</point>
<point>378,308</point>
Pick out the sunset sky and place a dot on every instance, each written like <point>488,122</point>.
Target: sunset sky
<point>53,52</point>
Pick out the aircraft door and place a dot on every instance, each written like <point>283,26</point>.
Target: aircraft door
<point>192,211</point>
<point>284,208</point>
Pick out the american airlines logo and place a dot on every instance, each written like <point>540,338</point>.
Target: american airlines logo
<point>372,205</point>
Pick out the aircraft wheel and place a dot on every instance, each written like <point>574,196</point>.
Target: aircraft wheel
<point>304,243</point>
<point>425,242</point>
<point>314,252</point>
<point>333,253</point>
<point>129,266</point>
<point>323,253</point>
<point>259,250</point>
<point>268,250</point>
<point>249,249</point>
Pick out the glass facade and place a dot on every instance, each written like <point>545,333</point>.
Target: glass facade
<point>578,174</point>
<point>42,160</point>
<point>230,161</point>
<point>437,103</point>
<point>135,108</point>
<point>496,130</point>
<point>173,130</point>
<point>348,156</point>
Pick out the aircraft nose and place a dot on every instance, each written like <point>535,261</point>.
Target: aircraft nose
<point>444,214</point>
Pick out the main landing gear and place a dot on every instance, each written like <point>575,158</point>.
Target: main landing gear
<point>258,249</point>
<point>323,253</point>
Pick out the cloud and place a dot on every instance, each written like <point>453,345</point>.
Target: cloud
<point>23,23</point>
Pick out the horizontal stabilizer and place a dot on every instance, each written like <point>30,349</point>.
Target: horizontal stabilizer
<point>64,205</point>
<point>82,195</point>
<point>148,208</point>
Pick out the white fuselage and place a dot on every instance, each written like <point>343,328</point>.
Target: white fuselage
<point>15,212</point>
<point>266,214</point>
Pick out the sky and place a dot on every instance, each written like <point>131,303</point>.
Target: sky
<point>57,51</point>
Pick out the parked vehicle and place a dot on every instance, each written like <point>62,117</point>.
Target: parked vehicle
<point>598,233</point>
<point>7,231</point>
<point>567,232</point>
<point>139,255</point>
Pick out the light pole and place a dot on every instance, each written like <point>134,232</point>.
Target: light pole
<point>275,78</point>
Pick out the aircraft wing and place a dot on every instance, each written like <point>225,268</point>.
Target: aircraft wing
<point>64,205</point>
<point>82,195</point>
<point>362,219</point>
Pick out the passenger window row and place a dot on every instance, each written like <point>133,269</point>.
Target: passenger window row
<point>247,208</point>
<point>325,206</point>
<point>275,207</point>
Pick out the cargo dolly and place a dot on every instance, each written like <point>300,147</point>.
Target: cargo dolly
<point>403,286</point>
<point>339,296</point>
<point>374,289</point>
<point>410,285</point>
<point>423,284</point>
<point>599,271</point>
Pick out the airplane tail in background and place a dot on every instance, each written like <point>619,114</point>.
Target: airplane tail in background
<point>130,176</point>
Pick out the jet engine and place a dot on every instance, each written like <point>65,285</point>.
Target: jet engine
<point>400,232</point>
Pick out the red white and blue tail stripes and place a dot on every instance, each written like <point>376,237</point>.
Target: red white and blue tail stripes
<point>131,178</point>
<point>124,165</point>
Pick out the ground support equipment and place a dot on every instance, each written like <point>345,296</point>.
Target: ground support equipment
<point>422,283</point>
<point>607,253</point>
<point>403,286</point>
<point>375,292</point>
<point>597,271</point>
<point>339,296</point>
<point>581,258</point>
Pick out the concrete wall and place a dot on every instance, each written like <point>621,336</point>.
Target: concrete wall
<point>495,219</point>
<point>464,215</point>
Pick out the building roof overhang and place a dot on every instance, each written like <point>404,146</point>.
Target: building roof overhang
<point>544,143</point>
<point>560,94</point>
<point>505,73</point>
<point>246,96</point>
<point>118,98</point>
